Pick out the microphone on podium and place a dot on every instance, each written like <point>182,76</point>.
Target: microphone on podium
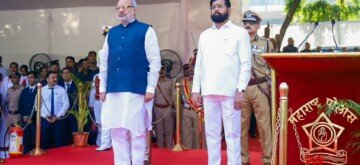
<point>332,30</point>
<point>316,23</point>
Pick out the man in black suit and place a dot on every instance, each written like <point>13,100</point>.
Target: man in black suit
<point>307,48</point>
<point>290,48</point>
<point>71,89</point>
<point>27,113</point>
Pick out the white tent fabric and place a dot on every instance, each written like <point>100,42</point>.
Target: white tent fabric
<point>51,4</point>
<point>74,31</point>
<point>68,27</point>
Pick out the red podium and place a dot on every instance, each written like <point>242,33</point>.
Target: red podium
<point>316,80</point>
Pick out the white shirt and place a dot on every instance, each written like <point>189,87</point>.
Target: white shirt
<point>61,101</point>
<point>4,71</point>
<point>66,84</point>
<point>32,88</point>
<point>6,84</point>
<point>92,94</point>
<point>152,51</point>
<point>24,79</point>
<point>223,62</point>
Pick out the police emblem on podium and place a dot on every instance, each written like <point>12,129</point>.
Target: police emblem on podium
<point>323,134</point>
<point>323,142</point>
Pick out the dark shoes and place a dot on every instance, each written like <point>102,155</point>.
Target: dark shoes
<point>253,136</point>
<point>146,162</point>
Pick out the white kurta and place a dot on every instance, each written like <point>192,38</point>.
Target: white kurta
<point>222,67</point>
<point>124,109</point>
<point>127,110</point>
<point>223,62</point>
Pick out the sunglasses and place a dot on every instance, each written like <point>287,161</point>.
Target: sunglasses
<point>252,23</point>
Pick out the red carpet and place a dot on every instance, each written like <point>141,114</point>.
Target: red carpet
<point>88,156</point>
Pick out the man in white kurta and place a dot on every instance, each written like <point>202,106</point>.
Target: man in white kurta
<point>222,72</point>
<point>129,68</point>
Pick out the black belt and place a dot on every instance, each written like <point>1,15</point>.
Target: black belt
<point>256,81</point>
<point>13,112</point>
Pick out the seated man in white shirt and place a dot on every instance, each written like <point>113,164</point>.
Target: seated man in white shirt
<point>55,103</point>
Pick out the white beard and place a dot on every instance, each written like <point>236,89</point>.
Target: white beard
<point>125,20</point>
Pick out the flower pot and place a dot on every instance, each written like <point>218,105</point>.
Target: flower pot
<point>80,139</point>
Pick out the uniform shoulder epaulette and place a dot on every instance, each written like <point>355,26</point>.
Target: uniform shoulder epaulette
<point>265,39</point>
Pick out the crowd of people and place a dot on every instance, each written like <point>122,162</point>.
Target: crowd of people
<point>59,91</point>
<point>291,48</point>
<point>224,88</point>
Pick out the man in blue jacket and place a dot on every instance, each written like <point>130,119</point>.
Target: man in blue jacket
<point>129,68</point>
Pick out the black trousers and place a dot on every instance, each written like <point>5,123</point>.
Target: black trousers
<point>29,138</point>
<point>52,134</point>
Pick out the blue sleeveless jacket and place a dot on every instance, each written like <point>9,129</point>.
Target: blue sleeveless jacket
<point>127,62</point>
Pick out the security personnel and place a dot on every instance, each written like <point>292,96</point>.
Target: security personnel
<point>27,112</point>
<point>12,99</point>
<point>192,60</point>
<point>257,94</point>
<point>163,102</point>
<point>190,119</point>
<point>69,85</point>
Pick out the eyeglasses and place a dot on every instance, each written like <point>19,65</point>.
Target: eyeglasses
<point>219,6</point>
<point>252,23</point>
<point>123,7</point>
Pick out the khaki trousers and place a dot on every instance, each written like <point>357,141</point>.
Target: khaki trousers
<point>190,130</point>
<point>12,119</point>
<point>164,128</point>
<point>256,101</point>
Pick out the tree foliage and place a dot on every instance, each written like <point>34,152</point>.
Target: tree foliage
<point>322,10</point>
<point>291,7</point>
<point>354,143</point>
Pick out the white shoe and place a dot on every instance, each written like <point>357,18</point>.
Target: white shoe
<point>103,148</point>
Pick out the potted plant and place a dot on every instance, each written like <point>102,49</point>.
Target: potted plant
<point>355,135</point>
<point>81,113</point>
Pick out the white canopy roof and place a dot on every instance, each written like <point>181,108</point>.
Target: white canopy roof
<point>50,4</point>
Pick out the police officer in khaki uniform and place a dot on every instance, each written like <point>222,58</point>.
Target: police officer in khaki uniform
<point>257,93</point>
<point>190,119</point>
<point>163,102</point>
<point>12,99</point>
